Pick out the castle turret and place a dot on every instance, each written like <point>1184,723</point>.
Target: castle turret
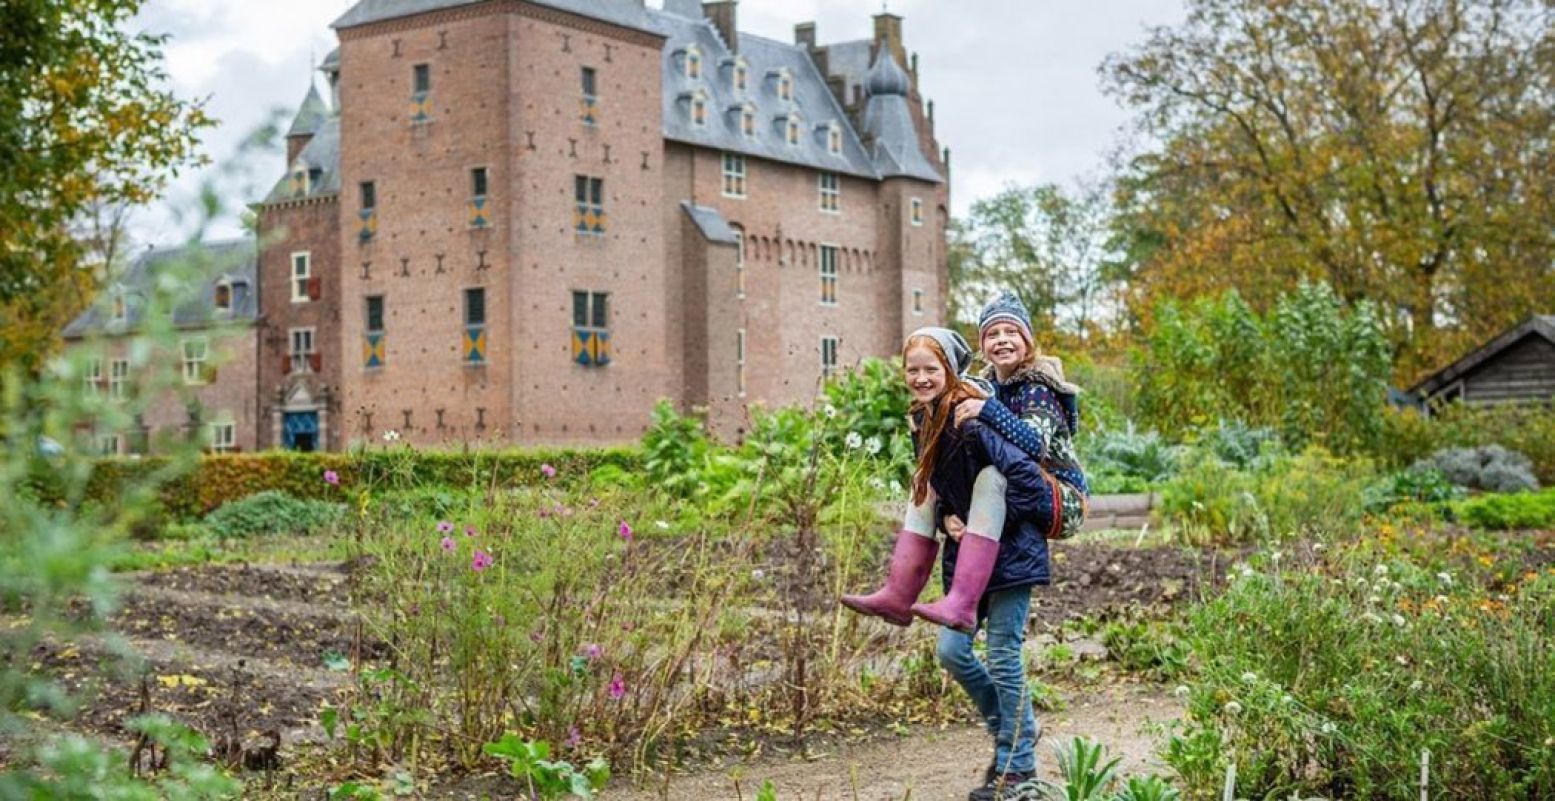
<point>311,116</point>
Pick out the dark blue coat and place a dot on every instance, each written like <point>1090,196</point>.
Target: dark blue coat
<point>965,451</point>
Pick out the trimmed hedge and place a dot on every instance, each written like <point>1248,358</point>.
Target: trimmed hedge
<point>227,477</point>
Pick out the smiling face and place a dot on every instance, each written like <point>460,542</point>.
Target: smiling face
<point>1005,347</point>
<point>926,376</point>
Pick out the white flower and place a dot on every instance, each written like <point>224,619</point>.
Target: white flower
<point>1398,620</point>
<point>663,526</point>
<point>1249,677</point>
<point>1181,691</point>
<point>758,574</point>
<point>1317,546</point>
<point>854,440</point>
<point>1275,557</point>
<point>1415,685</point>
<point>1373,600</point>
<point>877,482</point>
<point>1380,570</point>
<point>1233,708</point>
<point>830,410</point>
<point>1371,617</point>
<point>1329,727</point>
<point>1286,699</point>
<point>873,445</point>
<point>391,436</point>
<point>1445,579</point>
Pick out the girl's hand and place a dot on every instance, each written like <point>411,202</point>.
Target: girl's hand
<point>954,527</point>
<point>968,410</point>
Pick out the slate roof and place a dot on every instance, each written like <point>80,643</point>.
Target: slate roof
<point>234,260</point>
<point>629,14</point>
<point>712,224</point>
<point>310,115</point>
<point>888,123</point>
<point>322,154</point>
<point>1537,325</point>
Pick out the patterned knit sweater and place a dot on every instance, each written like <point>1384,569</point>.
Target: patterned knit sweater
<point>1037,410</point>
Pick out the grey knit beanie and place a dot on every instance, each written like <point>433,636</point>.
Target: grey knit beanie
<point>1007,308</point>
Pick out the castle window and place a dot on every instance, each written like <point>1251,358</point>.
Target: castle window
<point>118,378</point>
<point>196,352</point>
<point>224,297</point>
<point>479,218</point>
<point>792,134</point>
<point>121,309</point>
<point>739,261</point>
<point>107,444</point>
<point>699,109</point>
<point>785,87</point>
<point>373,348</point>
<point>93,380</point>
<point>733,175</point>
<point>224,437</point>
<point>741,76</point>
<point>693,63</point>
<point>590,328</point>
<point>589,216</point>
<point>475,325</point>
<point>917,301</point>
<point>748,121</point>
<point>828,275</point>
<point>305,286</point>
<point>828,356</point>
<point>739,361</point>
<point>831,193</point>
<point>369,211</point>
<point>834,139</point>
<point>302,357</point>
<point>917,211</point>
<point>590,101</point>
<point>421,89</point>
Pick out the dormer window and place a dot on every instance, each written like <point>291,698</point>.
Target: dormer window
<point>121,309</point>
<point>785,87</point>
<point>792,126</point>
<point>833,138</point>
<point>699,109</point>
<point>741,77</point>
<point>224,297</point>
<point>748,120</point>
<point>693,63</point>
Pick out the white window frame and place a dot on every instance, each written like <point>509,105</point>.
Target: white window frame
<point>224,436</point>
<point>828,276</point>
<point>93,380</point>
<point>300,361</point>
<point>739,361</point>
<point>108,444</point>
<point>303,258</point>
<point>829,366</point>
<point>831,196</point>
<point>916,213</point>
<point>118,378</point>
<point>734,175</point>
<point>194,367</point>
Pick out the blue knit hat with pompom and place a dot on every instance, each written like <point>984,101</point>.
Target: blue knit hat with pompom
<point>1007,308</point>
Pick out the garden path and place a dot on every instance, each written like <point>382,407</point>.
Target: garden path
<point>933,764</point>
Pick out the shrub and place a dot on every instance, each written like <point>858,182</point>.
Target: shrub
<point>1311,495</point>
<point>1528,430</point>
<point>1113,457</point>
<point>1313,368</point>
<point>273,512</point>
<point>1332,687</point>
<point>1417,485</point>
<point>1527,510</point>
<point>1489,467</point>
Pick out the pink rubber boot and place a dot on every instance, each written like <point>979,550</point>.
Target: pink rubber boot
<point>974,564</point>
<point>912,560</point>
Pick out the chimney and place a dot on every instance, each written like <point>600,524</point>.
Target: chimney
<point>888,33</point>
<point>804,34</point>
<point>721,14</point>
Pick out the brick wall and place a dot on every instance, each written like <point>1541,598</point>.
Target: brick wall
<point>311,226</point>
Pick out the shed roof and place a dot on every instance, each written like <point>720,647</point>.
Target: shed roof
<point>1541,325</point>
<point>233,261</point>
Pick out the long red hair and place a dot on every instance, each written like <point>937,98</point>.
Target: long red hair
<point>936,412</point>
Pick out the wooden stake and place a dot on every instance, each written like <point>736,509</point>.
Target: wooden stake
<point>1230,793</point>
<point>1425,774</point>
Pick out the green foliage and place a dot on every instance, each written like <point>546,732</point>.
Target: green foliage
<point>530,763</point>
<point>871,406</point>
<point>1311,494</point>
<point>1147,788</point>
<point>1417,485</point>
<point>1489,467</point>
<point>1528,430</point>
<point>767,791</point>
<point>1085,776</point>
<point>1332,682</point>
<point>73,767</point>
<point>1313,368</point>
<point>1127,460</point>
<point>1525,510</point>
<point>273,512</point>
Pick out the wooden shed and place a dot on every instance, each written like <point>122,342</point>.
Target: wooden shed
<point>1516,367</point>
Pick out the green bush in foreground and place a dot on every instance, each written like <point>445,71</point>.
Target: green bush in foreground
<point>1334,686</point>
<point>1524,510</point>
<point>1312,494</point>
<point>273,512</point>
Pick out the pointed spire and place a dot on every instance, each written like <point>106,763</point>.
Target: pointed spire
<point>311,115</point>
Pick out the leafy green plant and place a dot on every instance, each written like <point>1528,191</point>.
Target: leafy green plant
<point>1524,510</point>
<point>1084,774</point>
<point>1312,494</point>
<point>1416,485</point>
<point>530,763</point>
<point>1147,788</point>
<point>1112,456</point>
<point>273,512</point>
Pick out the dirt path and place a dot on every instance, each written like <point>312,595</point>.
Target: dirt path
<point>932,765</point>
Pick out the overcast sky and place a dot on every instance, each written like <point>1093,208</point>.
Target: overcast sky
<point>1017,96</point>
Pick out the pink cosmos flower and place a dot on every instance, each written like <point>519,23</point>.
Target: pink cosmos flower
<point>469,531</point>
<point>574,738</point>
<point>547,471</point>
<point>593,651</point>
<point>331,478</point>
<point>443,527</point>
<point>480,561</point>
<point>626,531</point>
<point>544,513</point>
<point>448,544</point>
<point>617,687</point>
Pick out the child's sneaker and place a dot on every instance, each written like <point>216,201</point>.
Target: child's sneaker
<point>1007,787</point>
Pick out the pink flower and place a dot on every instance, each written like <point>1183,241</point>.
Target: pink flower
<point>448,544</point>
<point>469,531</point>
<point>443,527</point>
<point>617,686</point>
<point>593,502</point>
<point>574,738</point>
<point>547,471</point>
<point>480,561</point>
<point>544,513</point>
<point>331,478</point>
<point>593,651</point>
<point>626,531</point>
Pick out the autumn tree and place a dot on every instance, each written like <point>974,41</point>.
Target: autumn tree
<point>1047,244</point>
<point>87,130</point>
<point>1397,150</point>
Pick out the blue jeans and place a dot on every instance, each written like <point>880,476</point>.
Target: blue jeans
<point>998,688</point>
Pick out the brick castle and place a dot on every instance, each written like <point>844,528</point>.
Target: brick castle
<point>527,222</point>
